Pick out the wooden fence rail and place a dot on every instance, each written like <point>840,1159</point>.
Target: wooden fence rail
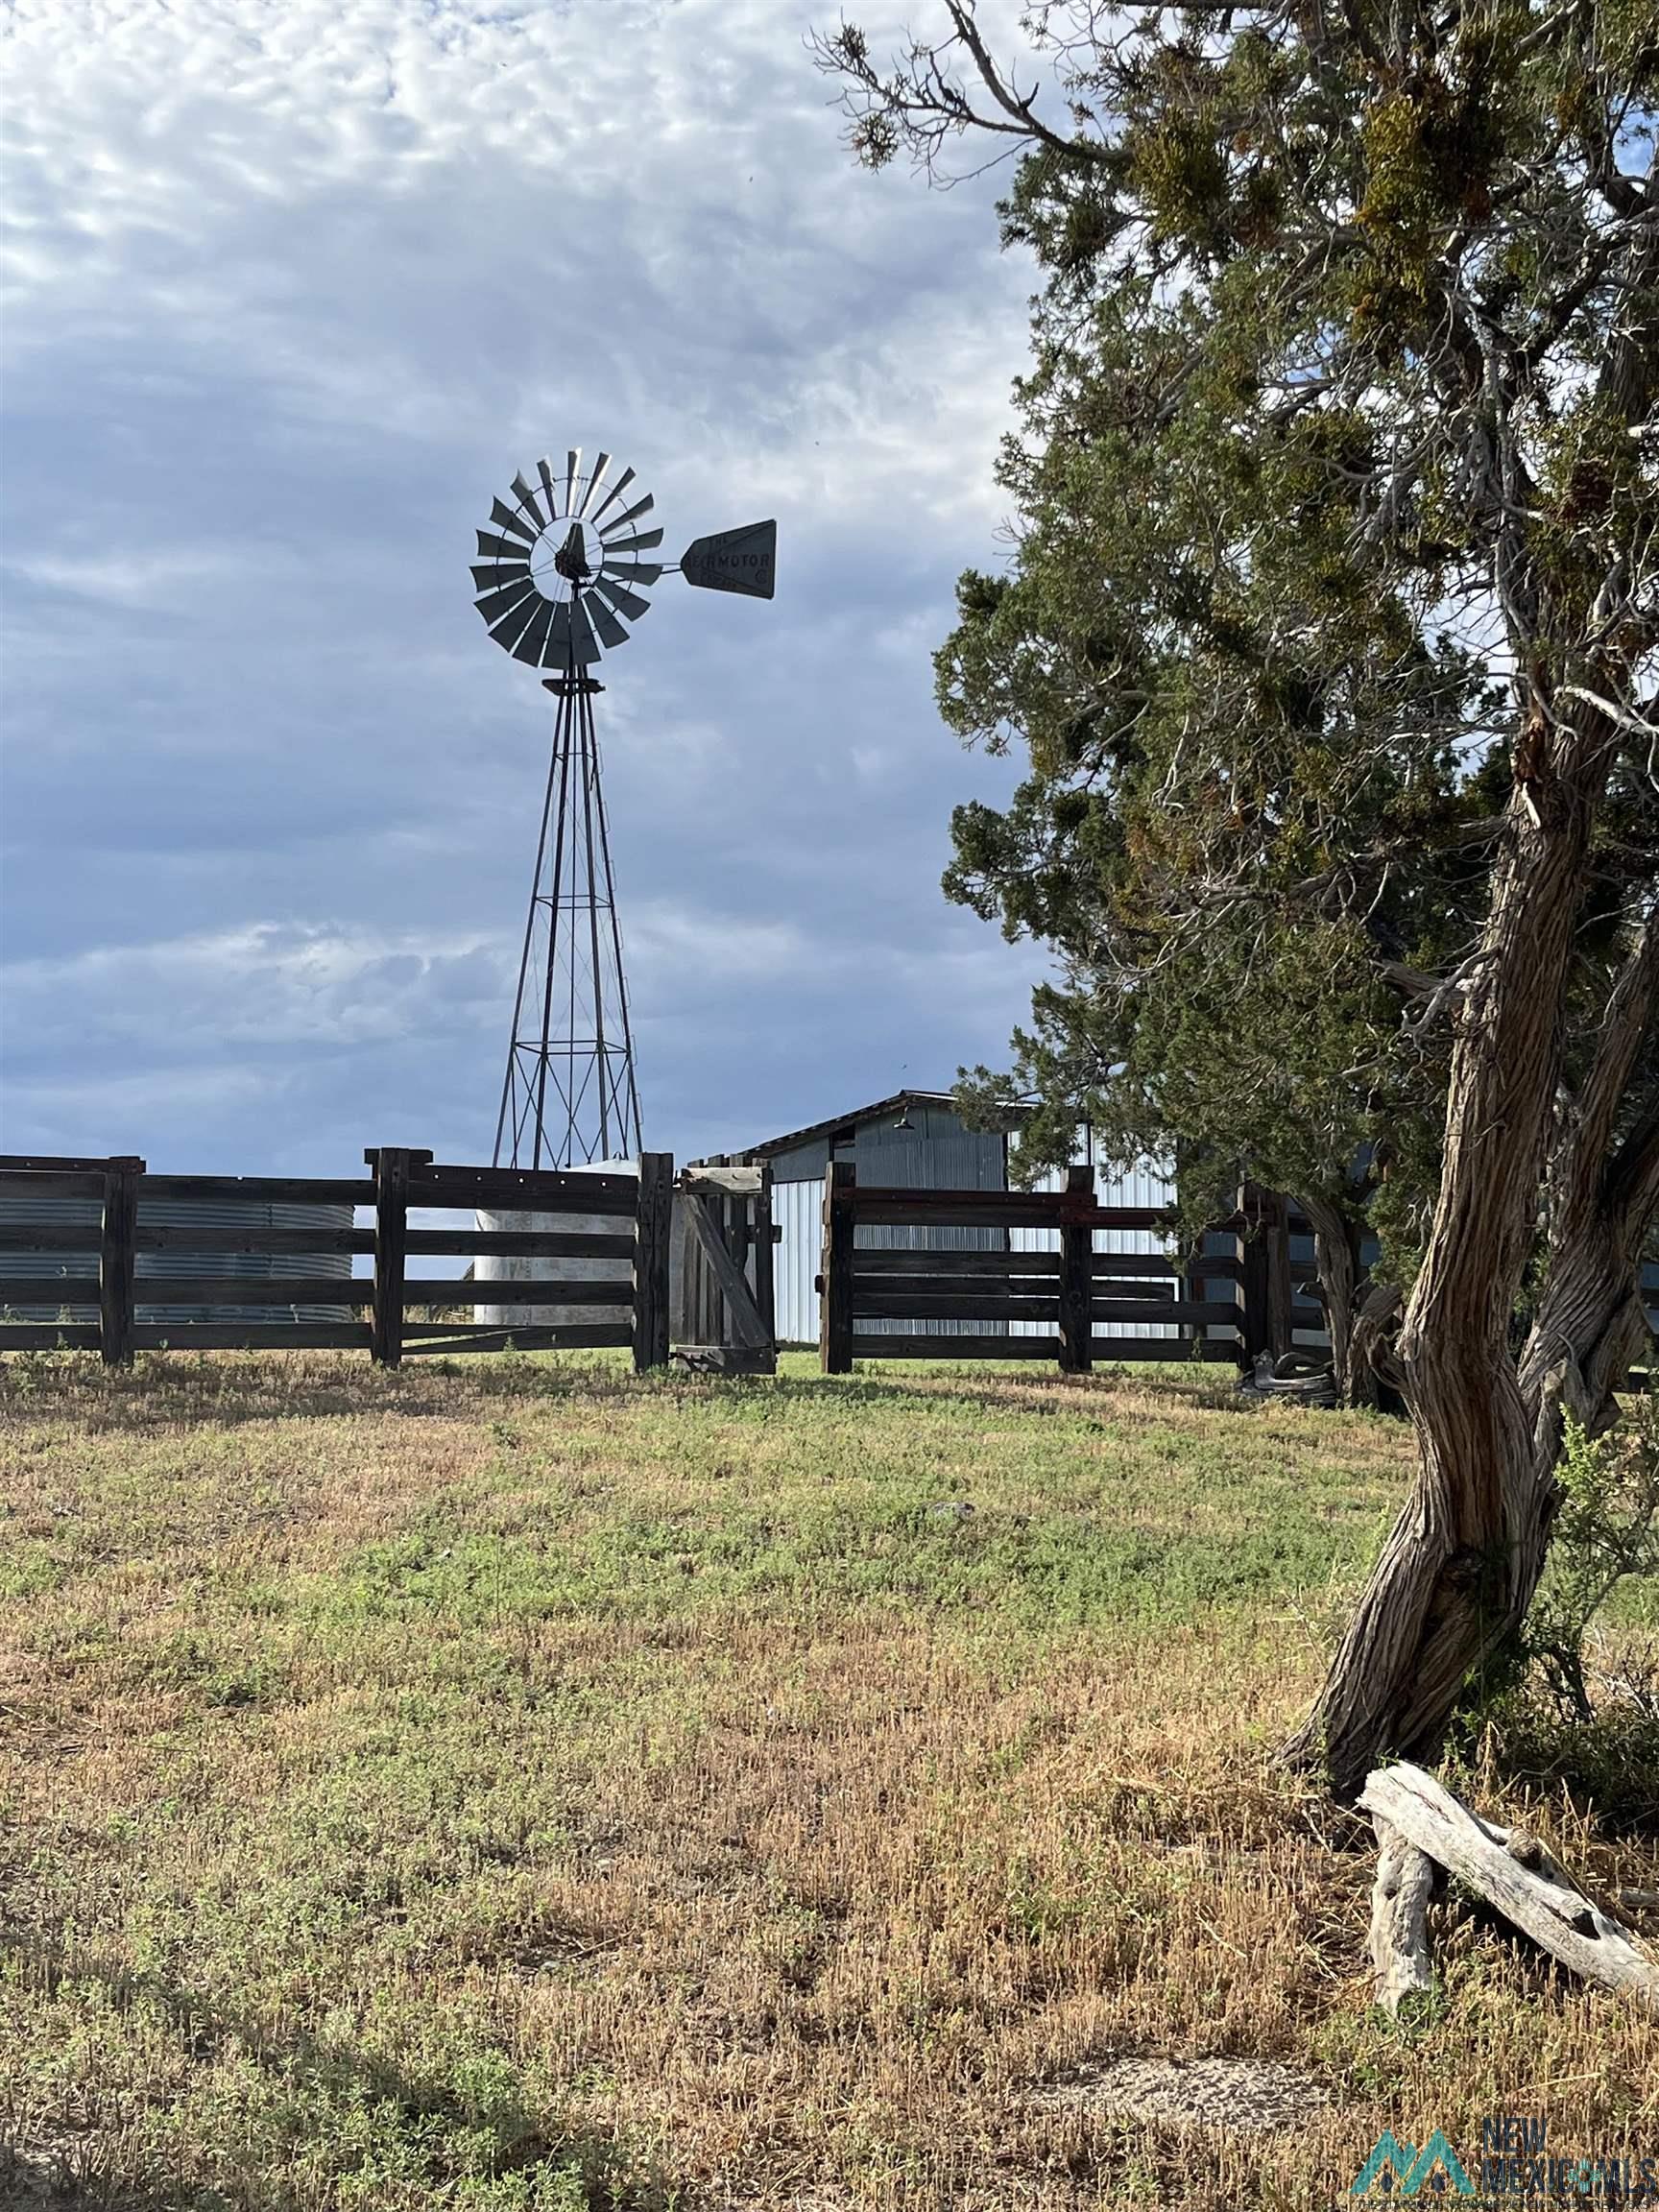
<point>1068,1301</point>
<point>393,1307</point>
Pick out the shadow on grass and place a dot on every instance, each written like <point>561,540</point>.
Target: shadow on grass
<point>424,2126</point>
<point>233,1388</point>
<point>227,1389</point>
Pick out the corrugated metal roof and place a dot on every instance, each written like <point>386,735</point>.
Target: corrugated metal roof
<point>876,1110</point>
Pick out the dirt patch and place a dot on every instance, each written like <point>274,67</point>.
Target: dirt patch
<point>1248,2093</point>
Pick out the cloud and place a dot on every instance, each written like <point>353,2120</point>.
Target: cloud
<point>294,287</point>
<point>268,984</point>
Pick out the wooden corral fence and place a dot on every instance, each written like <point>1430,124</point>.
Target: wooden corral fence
<point>393,1305</point>
<point>1074,1294</point>
<point>724,1301</point>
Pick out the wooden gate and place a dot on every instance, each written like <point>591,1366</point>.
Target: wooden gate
<point>723,1319</point>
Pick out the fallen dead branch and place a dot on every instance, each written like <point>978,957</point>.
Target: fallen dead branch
<point>1418,1821</point>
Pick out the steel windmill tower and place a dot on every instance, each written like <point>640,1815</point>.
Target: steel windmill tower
<point>562,572</point>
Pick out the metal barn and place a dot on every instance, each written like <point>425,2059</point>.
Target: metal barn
<point>916,1140</point>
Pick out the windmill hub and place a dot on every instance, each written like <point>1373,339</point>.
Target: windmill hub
<point>571,560</point>
<point>559,579</point>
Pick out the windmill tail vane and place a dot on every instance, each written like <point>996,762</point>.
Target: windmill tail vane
<point>561,573</point>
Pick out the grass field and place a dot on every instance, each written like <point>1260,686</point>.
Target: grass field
<point>514,1785</point>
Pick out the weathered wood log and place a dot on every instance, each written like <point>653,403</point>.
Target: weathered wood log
<point>1516,1875</point>
<point>1076,1283</point>
<point>734,1182</point>
<point>1400,1917</point>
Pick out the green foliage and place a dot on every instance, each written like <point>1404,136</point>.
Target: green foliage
<point>1554,1710</point>
<point>1335,338</point>
<point>1607,1532</point>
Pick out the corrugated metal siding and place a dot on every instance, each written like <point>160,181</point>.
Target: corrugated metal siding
<point>798,1209</point>
<point>156,1267</point>
<point>1142,1186</point>
<point>937,1155</point>
<point>803,1163</point>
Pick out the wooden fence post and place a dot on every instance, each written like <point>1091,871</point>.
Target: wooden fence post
<point>1077,1280</point>
<point>835,1283</point>
<point>390,1165</point>
<point>653,1236</point>
<point>765,1287</point>
<point>117,1257</point>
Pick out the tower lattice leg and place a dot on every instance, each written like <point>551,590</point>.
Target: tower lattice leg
<point>569,1096</point>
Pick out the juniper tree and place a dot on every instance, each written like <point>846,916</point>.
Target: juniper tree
<point>1329,639</point>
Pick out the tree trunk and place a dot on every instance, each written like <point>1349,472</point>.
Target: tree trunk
<point>1336,1263</point>
<point>1460,1566</point>
<point>1356,1317</point>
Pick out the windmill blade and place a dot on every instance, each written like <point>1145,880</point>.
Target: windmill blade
<point>572,468</point>
<point>584,643</point>
<point>599,468</point>
<point>631,514</point>
<point>603,620</point>
<point>527,500</point>
<point>505,517</point>
<point>640,572</point>
<point>556,650</point>
<point>743,560</point>
<point>534,636</point>
<point>544,470</point>
<point>500,573</point>
<point>495,604</point>
<point>503,548</point>
<point>619,597</point>
<point>513,624</point>
<point>615,492</point>
<point>642,543</point>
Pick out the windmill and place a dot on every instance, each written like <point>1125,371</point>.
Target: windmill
<point>562,571</point>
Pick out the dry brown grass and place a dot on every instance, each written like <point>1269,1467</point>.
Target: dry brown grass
<point>518,1787</point>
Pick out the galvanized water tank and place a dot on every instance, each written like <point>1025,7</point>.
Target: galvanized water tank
<point>244,1214</point>
<point>491,1268</point>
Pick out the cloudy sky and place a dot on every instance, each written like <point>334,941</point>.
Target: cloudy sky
<point>294,287</point>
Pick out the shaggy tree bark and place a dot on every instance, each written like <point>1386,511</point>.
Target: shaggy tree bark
<point>1462,1564</point>
<point>1522,1166</point>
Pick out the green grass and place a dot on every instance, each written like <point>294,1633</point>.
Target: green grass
<point>512,1783</point>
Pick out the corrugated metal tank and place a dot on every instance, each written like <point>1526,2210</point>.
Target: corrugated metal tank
<point>512,1268</point>
<point>155,1267</point>
<point>493,1267</point>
